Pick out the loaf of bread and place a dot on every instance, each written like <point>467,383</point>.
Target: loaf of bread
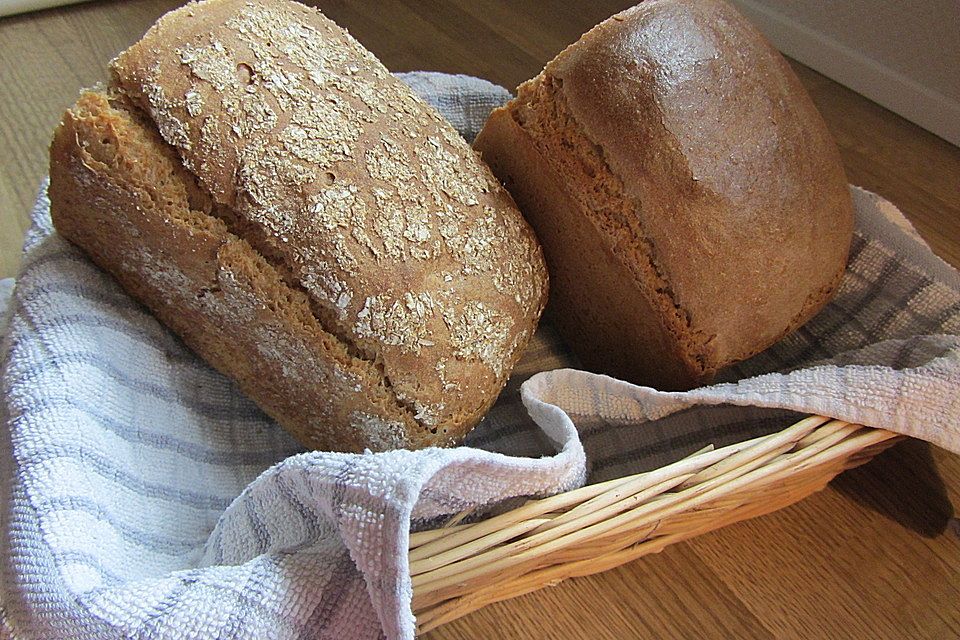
<point>689,199</point>
<point>304,222</point>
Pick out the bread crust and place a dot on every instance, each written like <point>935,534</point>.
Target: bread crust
<point>591,307</point>
<point>363,276</point>
<point>691,146</point>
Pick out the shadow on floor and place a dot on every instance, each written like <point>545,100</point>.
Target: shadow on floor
<point>903,484</point>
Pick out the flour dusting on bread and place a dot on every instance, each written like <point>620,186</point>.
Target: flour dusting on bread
<point>378,231</point>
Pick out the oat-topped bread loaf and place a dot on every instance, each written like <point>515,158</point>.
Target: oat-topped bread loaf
<point>690,201</point>
<point>304,222</point>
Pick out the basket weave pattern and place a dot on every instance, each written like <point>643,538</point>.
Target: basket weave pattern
<point>460,568</point>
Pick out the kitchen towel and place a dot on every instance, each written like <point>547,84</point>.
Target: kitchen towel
<point>144,496</point>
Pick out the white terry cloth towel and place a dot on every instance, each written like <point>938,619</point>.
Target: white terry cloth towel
<point>144,496</point>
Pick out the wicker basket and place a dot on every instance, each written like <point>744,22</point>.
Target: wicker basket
<point>460,568</point>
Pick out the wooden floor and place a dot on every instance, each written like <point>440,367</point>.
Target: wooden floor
<point>876,555</point>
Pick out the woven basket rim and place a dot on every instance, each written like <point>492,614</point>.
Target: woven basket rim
<point>458,568</point>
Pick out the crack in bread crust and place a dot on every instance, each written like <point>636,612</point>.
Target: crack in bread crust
<point>255,238</point>
<point>541,110</point>
<point>113,142</point>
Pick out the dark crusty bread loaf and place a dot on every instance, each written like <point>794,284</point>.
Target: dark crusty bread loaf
<point>690,201</point>
<point>305,223</point>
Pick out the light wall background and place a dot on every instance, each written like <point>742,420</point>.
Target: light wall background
<point>903,54</point>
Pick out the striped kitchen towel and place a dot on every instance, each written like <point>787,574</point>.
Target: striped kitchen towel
<point>144,496</point>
